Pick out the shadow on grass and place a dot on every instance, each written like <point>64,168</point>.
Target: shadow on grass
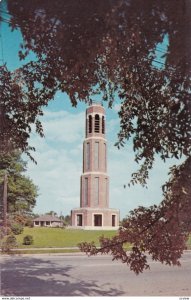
<point>21,276</point>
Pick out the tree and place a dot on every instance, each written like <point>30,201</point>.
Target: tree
<point>67,220</point>
<point>52,213</point>
<point>18,109</point>
<point>160,231</point>
<point>112,47</point>
<point>22,192</point>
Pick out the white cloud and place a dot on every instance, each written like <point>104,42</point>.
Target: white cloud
<point>59,164</point>
<point>121,166</point>
<point>63,126</point>
<point>117,107</point>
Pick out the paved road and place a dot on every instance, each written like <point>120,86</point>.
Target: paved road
<point>79,275</point>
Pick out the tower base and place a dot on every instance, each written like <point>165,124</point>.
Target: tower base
<point>95,218</point>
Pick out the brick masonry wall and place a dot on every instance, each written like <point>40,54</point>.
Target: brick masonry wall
<point>94,189</point>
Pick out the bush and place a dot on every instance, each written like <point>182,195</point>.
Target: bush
<point>28,240</point>
<point>17,228</point>
<point>19,219</point>
<point>29,223</point>
<point>9,243</point>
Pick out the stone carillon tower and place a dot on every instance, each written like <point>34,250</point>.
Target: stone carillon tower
<point>94,211</point>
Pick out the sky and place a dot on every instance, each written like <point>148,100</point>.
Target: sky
<point>59,154</point>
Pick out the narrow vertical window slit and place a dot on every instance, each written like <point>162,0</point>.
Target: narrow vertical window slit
<point>97,123</point>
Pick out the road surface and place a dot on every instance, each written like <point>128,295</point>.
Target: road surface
<point>79,275</point>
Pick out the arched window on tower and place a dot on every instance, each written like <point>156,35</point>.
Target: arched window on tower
<point>90,124</point>
<point>96,123</point>
<point>103,125</point>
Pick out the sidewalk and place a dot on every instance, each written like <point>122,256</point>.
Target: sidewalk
<point>50,248</point>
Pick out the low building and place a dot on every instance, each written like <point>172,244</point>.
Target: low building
<point>47,221</point>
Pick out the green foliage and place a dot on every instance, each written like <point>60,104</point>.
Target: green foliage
<point>28,240</point>
<point>52,213</point>
<point>17,228</point>
<point>66,220</point>
<point>189,243</point>
<point>29,222</point>
<point>9,243</point>
<point>17,218</point>
<point>22,192</point>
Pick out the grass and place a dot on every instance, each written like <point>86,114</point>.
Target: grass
<point>47,251</point>
<point>60,238</point>
<point>189,243</point>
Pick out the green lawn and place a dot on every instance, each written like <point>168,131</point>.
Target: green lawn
<point>189,243</point>
<point>57,237</point>
<point>60,238</point>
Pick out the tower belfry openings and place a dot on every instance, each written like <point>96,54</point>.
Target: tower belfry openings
<point>94,211</point>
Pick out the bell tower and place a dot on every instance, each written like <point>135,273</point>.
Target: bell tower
<point>94,211</point>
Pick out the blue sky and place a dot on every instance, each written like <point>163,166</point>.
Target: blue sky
<point>59,154</point>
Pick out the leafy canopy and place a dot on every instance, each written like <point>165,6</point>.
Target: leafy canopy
<point>112,48</point>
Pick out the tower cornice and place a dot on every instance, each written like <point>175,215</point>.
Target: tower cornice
<point>98,137</point>
<point>95,173</point>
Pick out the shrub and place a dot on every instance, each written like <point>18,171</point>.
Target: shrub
<point>19,219</point>
<point>9,243</point>
<point>17,228</point>
<point>29,223</point>
<point>28,240</point>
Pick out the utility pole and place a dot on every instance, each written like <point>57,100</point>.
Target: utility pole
<point>5,202</point>
<point>1,201</point>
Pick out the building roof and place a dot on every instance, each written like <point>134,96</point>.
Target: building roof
<point>48,218</point>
